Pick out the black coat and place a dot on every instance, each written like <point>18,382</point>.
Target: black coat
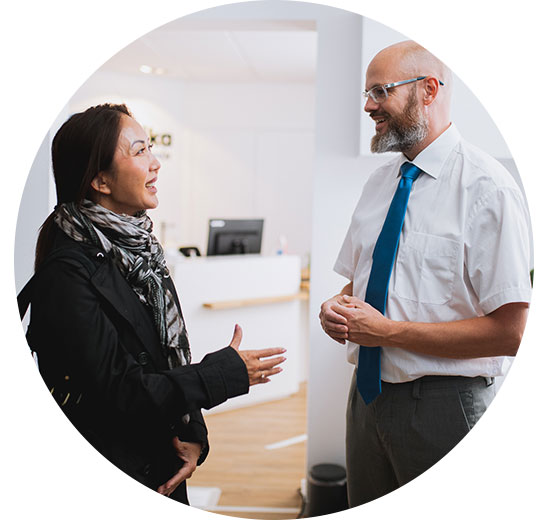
<point>100,356</point>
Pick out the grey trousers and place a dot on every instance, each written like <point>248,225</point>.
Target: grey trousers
<point>407,429</point>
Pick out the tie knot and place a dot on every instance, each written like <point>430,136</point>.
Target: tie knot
<point>410,171</point>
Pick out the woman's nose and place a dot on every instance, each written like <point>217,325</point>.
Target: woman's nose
<point>155,164</point>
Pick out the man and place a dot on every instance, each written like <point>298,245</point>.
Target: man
<point>447,301</point>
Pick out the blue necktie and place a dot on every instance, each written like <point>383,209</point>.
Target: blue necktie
<point>384,254</point>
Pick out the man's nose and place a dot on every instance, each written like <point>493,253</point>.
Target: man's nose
<point>370,105</point>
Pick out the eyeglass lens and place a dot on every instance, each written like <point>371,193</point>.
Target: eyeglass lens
<point>378,94</point>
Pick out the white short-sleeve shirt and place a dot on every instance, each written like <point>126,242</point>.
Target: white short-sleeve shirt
<point>464,249</point>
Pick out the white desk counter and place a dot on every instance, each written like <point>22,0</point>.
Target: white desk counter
<point>261,294</point>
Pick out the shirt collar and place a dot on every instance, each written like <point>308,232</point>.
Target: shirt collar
<point>433,157</point>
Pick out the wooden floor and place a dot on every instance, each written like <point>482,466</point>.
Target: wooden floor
<point>248,474</point>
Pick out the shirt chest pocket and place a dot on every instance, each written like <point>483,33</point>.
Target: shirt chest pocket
<point>426,268</point>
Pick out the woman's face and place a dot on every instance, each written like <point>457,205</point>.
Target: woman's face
<point>130,185</point>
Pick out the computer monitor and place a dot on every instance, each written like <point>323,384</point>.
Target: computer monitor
<point>234,236</point>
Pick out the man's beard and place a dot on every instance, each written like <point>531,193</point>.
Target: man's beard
<point>404,131</point>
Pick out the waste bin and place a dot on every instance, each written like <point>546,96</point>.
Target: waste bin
<point>326,490</point>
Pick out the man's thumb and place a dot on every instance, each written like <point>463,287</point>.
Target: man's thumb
<point>236,337</point>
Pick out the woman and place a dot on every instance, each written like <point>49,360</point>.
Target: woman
<point>106,323</point>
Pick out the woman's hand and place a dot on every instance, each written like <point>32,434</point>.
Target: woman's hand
<point>188,452</point>
<point>258,371</point>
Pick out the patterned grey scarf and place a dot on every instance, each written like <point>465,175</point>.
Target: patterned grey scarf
<point>140,258</point>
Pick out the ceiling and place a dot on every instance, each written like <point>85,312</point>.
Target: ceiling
<point>227,51</point>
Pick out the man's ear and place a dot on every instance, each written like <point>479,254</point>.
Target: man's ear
<point>431,87</point>
<point>100,183</point>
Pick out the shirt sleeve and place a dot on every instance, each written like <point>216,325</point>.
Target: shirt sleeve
<point>345,265</point>
<point>497,249</point>
<point>348,259</point>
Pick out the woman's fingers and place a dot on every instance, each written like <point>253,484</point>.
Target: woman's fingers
<point>265,352</point>
<point>174,482</point>
<point>260,370</point>
<point>255,363</point>
<point>188,452</point>
<point>264,370</point>
<point>263,376</point>
<point>236,337</point>
<point>270,372</point>
<point>270,363</point>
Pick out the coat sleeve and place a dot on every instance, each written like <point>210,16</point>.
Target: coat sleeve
<point>70,324</point>
<point>192,428</point>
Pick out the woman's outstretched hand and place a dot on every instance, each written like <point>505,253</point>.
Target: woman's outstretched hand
<point>258,370</point>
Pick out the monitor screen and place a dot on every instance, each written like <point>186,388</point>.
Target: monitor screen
<point>234,237</point>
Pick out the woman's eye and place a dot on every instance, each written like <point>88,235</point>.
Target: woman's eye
<point>142,150</point>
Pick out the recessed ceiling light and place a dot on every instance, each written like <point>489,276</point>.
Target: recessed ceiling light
<point>146,69</point>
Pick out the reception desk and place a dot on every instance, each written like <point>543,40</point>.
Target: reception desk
<point>260,293</point>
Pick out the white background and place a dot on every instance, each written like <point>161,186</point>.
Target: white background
<point>496,48</point>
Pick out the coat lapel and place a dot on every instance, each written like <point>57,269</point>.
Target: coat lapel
<point>110,283</point>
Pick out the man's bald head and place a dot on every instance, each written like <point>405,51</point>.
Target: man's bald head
<point>411,59</point>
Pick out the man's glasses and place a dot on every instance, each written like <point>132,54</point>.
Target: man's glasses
<point>379,94</point>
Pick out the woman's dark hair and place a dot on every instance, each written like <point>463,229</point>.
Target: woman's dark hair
<point>82,147</point>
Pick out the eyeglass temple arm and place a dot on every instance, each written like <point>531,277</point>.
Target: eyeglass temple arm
<point>398,83</point>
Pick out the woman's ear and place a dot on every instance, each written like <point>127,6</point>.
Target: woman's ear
<point>100,183</point>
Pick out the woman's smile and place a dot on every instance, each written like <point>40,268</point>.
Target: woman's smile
<point>151,185</point>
